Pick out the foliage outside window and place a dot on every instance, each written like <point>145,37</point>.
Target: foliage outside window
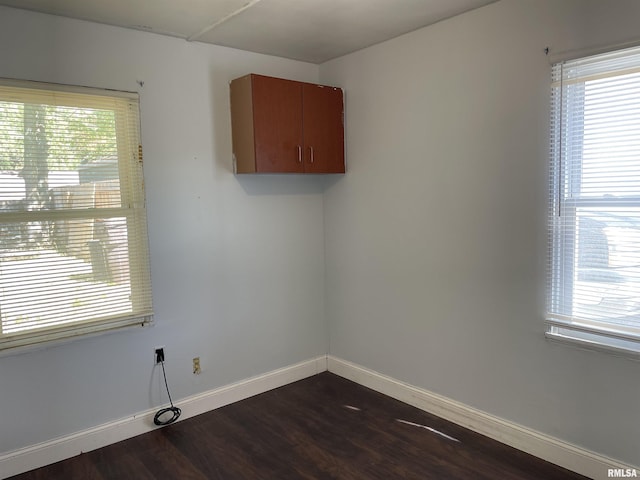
<point>73,239</point>
<point>594,270</point>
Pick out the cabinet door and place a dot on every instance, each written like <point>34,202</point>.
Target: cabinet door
<point>323,129</point>
<point>277,118</point>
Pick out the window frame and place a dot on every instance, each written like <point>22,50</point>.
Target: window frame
<point>568,101</point>
<point>132,208</point>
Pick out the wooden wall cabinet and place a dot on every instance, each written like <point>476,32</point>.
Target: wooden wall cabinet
<point>284,126</point>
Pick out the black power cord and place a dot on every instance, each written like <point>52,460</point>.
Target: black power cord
<point>174,410</point>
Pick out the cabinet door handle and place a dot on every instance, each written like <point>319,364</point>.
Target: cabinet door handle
<point>311,151</point>
<point>299,154</point>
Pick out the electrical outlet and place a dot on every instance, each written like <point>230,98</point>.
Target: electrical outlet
<point>196,366</point>
<point>158,355</point>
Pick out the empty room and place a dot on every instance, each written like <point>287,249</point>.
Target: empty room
<point>340,239</point>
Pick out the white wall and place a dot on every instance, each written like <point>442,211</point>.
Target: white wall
<point>435,238</point>
<point>237,263</point>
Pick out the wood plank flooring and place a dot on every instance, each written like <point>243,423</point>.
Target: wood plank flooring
<point>323,427</point>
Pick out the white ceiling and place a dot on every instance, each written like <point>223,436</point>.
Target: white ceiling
<point>309,30</point>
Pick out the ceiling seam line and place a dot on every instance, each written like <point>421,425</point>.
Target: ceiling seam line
<point>210,27</point>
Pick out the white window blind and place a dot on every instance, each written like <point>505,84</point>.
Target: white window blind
<point>73,235</point>
<point>594,270</point>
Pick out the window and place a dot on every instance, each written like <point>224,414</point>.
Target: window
<point>73,239</point>
<point>594,268</point>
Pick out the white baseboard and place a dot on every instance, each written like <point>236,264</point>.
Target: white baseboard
<point>35,456</point>
<point>571,457</point>
<point>556,451</point>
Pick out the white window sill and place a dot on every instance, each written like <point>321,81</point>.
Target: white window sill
<point>610,346</point>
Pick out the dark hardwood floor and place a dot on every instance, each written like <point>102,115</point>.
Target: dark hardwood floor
<point>323,427</point>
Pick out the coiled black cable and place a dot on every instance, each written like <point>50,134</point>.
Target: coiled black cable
<point>174,410</point>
